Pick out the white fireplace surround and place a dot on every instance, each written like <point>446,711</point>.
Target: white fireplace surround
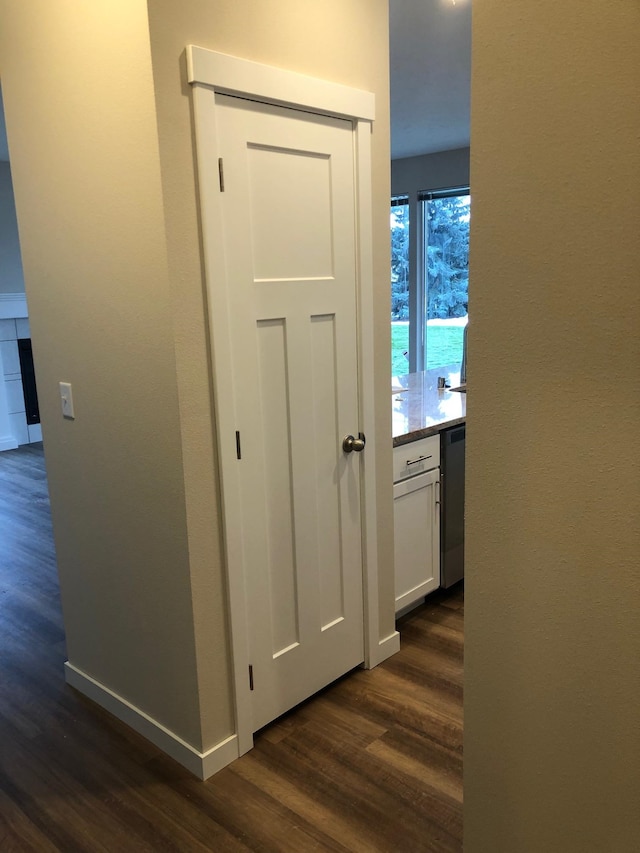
<point>14,324</point>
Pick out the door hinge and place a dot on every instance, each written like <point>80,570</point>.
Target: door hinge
<point>238,448</point>
<point>250,677</point>
<point>221,174</point>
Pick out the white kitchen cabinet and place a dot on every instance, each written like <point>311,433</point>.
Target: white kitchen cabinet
<point>416,520</point>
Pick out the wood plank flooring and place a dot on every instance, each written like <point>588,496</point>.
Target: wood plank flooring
<point>373,763</point>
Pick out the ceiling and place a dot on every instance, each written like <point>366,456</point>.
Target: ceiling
<point>430,50</point>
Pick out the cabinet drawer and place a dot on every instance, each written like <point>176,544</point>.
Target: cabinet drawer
<point>416,457</point>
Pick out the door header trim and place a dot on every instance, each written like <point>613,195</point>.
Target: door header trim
<point>233,76</point>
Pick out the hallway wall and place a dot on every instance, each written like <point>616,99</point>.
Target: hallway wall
<point>552,635</point>
<point>86,177</point>
<point>108,212</point>
<point>11,276</point>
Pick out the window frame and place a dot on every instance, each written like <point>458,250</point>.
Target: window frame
<point>417,266</point>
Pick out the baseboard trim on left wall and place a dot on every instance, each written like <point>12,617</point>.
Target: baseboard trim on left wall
<point>201,764</point>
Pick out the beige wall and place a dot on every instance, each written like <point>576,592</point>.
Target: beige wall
<point>552,649</point>
<point>78,96</point>
<point>99,118</point>
<point>11,277</point>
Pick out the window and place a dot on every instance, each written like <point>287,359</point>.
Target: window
<point>429,298</point>
<point>400,284</point>
<point>446,273</point>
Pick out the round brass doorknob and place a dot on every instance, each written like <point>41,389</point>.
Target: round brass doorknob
<point>349,443</point>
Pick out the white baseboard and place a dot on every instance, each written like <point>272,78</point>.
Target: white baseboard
<point>389,646</point>
<point>385,648</point>
<point>201,764</point>
<point>7,442</point>
<point>13,305</point>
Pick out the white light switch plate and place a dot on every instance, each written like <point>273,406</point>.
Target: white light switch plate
<point>66,398</point>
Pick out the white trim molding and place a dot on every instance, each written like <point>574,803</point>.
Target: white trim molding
<point>389,646</point>
<point>201,764</point>
<point>230,75</point>
<point>7,442</point>
<point>13,305</point>
<point>7,438</point>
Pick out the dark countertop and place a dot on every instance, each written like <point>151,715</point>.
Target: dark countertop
<point>423,408</point>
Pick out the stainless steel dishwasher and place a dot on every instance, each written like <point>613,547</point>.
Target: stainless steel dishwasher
<point>452,442</point>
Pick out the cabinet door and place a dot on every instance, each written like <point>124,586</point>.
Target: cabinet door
<point>417,537</point>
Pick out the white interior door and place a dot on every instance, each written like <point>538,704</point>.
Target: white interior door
<point>290,252</point>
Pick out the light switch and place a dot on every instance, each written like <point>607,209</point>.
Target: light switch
<point>66,398</point>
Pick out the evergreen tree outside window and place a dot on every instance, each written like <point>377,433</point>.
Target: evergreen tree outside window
<point>445,216</point>
<point>429,300</point>
<point>400,283</point>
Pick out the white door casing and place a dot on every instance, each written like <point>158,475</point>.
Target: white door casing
<point>287,306</point>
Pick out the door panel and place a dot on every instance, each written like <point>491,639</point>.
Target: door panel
<point>301,246</point>
<point>327,457</point>
<point>289,219</point>
<point>280,556</point>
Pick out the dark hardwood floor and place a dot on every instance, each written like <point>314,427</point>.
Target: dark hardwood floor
<point>373,763</point>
